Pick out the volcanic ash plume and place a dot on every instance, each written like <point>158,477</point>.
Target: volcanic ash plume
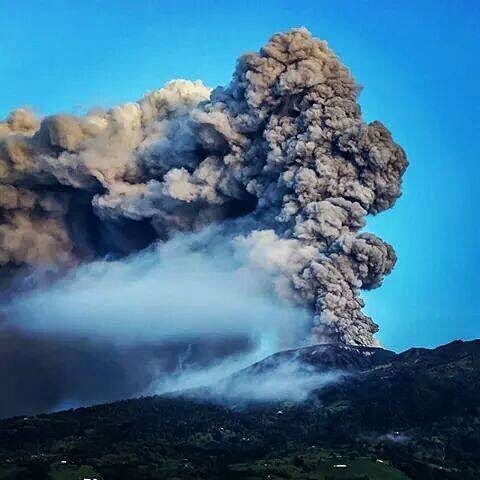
<point>280,160</point>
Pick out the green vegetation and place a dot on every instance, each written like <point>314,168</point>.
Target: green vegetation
<point>64,472</point>
<point>317,465</point>
<point>420,415</point>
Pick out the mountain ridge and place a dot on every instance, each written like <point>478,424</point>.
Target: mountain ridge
<point>418,412</point>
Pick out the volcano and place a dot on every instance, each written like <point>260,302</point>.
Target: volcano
<point>397,416</point>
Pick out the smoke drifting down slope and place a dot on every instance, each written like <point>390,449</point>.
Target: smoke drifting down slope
<point>280,160</point>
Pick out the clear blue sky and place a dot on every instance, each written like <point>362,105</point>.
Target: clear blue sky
<point>418,62</point>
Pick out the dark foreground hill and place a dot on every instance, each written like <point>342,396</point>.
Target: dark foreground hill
<point>412,415</point>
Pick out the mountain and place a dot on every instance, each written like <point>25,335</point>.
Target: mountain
<point>387,416</point>
<point>326,357</point>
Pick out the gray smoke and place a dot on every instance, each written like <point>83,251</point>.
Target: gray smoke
<point>41,372</point>
<point>227,384</point>
<point>280,160</point>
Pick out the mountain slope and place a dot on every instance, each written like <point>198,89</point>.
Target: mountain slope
<point>327,357</point>
<point>417,413</point>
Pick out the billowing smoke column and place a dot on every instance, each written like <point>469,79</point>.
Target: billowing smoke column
<point>283,150</point>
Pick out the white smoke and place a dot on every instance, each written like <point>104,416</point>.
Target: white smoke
<point>186,288</point>
<point>221,383</point>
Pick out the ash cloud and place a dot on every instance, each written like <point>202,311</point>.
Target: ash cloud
<point>276,172</point>
<point>44,372</point>
<point>283,144</point>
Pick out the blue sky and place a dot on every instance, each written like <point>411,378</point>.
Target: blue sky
<point>418,62</point>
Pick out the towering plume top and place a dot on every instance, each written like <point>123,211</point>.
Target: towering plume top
<point>283,146</point>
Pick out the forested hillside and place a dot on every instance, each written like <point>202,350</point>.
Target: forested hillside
<point>413,415</point>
